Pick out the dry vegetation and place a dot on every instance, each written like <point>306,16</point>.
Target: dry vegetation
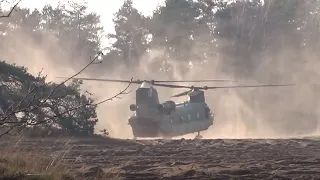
<point>22,165</point>
<point>242,159</point>
<point>48,158</point>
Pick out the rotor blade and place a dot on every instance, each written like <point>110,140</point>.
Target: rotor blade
<point>180,86</point>
<point>245,86</point>
<point>149,81</point>
<point>207,80</point>
<point>108,80</point>
<point>172,86</point>
<point>220,87</point>
<point>182,94</point>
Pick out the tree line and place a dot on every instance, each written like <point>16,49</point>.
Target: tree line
<point>243,35</point>
<point>242,29</point>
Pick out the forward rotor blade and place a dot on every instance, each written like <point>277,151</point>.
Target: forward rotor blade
<point>148,81</point>
<point>173,86</point>
<point>154,83</point>
<point>107,80</point>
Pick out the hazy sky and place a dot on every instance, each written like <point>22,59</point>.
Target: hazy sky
<point>105,8</point>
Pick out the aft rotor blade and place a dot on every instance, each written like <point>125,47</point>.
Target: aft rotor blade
<point>245,86</point>
<point>207,80</point>
<point>221,87</point>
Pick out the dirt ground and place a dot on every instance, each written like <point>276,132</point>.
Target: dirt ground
<point>182,159</point>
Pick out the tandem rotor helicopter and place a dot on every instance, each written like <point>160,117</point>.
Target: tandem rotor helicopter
<point>155,119</point>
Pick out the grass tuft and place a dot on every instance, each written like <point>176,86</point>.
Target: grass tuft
<point>22,166</point>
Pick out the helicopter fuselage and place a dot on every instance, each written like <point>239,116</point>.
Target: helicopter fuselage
<point>187,118</point>
<point>168,119</point>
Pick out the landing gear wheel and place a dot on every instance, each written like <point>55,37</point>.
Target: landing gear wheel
<point>198,136</point>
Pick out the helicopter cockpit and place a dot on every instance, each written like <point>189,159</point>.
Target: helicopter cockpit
<point>147,95</point>
<point>196,97</point>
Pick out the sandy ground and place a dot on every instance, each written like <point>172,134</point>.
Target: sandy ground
<point>183,159</point>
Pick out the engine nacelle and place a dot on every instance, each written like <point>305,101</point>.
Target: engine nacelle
<point>133,107</point>
<point>167,107</point>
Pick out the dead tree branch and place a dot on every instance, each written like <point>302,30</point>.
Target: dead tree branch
<point>26,109</point>
<point>11,10</point>
<point>122,92</point>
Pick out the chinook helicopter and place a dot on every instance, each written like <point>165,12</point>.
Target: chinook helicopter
<point>155,119</point>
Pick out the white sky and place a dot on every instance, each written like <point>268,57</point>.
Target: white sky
<point>105,8</point>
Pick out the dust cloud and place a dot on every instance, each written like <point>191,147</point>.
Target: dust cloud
<point>239,113</point>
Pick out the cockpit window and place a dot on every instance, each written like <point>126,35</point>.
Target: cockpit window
<point>198,97</point>
<point>146,96</point>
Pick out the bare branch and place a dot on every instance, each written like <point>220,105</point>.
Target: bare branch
<point>62,83</point>
<point>17,109</point>
<point>12,9</point>
<point>7,131</point>
<point>122,92</point>
<point>7,122</point>
<point>117,95</point>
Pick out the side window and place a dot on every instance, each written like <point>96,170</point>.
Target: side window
<point>207,113</point>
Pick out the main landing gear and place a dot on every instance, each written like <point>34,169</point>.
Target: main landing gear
<point>198,136</point>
